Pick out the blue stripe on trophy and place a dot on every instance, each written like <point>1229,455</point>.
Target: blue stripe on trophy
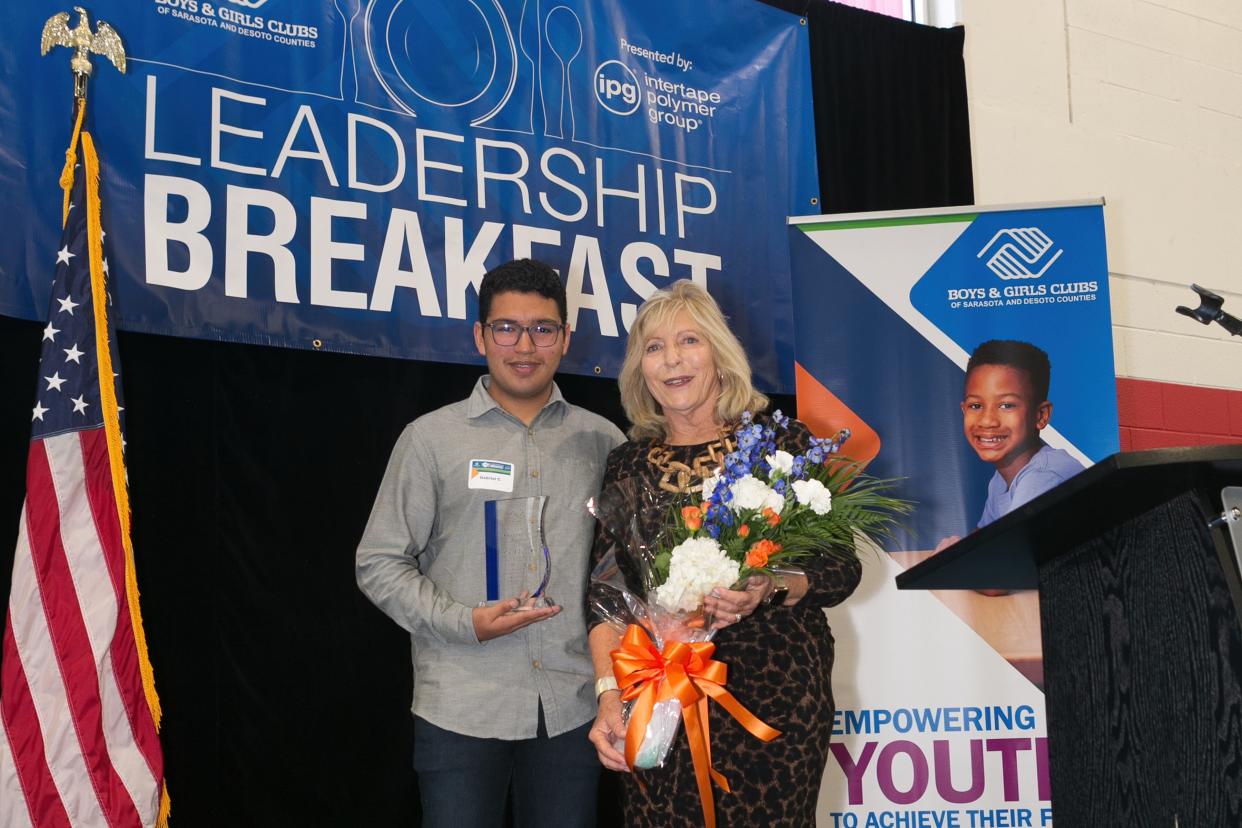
<point>493,550</point>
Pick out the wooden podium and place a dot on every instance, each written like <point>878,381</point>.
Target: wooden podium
<point>1141,604</point>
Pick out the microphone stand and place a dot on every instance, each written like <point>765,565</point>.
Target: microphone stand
<point>1210,311</point>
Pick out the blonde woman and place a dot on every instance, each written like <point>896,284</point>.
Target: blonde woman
<point>684,384</point>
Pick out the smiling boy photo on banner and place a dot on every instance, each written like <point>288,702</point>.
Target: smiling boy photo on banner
<point>987,378</point>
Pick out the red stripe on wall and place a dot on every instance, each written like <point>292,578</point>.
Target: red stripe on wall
<point>1167,415</point>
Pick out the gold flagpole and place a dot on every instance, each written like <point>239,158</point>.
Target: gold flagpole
<point>103,41</point>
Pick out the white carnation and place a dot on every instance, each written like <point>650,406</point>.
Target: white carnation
<point>814,494</point>
<point>751,493</point>
<point>709,486</point>
<point>781,462</point>
<point>697,567</point>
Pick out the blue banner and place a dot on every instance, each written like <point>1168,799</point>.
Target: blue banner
<point>969,350</point>
<point>925,290</point>
<point>339,175</point>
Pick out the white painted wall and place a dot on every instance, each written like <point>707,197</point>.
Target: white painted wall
<point>1139,101</point>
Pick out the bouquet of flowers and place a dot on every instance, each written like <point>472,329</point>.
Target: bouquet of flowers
<point>761,512</point>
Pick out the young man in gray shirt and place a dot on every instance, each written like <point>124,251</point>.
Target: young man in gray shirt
<point>503,693</point>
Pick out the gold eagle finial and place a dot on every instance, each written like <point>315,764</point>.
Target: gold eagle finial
<point>105,41</point>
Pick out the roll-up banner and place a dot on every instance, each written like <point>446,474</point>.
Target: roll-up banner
<point>940,714</point>
<point>339,175</point>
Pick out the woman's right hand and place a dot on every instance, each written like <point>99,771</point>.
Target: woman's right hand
<point>607,730</point>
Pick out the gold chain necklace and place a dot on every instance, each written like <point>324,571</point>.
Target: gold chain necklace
<point>682,478</point>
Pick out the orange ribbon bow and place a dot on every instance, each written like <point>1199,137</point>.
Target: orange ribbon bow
<point>685,672</point>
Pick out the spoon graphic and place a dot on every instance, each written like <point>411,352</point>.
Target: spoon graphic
<point>563,31</point>
<point>529,42</point>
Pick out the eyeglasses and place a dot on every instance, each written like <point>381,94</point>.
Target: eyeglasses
<point>507,334</point>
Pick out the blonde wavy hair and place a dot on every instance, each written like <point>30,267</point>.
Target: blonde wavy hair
<point>737,393</point>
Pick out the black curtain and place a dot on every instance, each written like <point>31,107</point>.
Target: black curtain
<point>891,125</point>
<point>252,470</point>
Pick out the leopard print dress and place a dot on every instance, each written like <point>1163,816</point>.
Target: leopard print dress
<point>780,668</point>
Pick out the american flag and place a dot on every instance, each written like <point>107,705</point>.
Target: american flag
<point>78,708</point>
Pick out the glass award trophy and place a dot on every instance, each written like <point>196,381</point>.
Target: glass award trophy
<point>518,563</point>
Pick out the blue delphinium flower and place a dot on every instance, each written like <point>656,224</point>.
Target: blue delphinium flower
<point>780,419</point>
<point>779,486</point>
<point>713,529</point>
<point>748,438</point>
<point>745,439</point>
<point>799,467</point>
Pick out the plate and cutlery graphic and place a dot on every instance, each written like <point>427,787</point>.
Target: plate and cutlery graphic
<point>467,56</point>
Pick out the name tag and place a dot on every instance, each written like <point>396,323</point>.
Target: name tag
<point>496,475</point>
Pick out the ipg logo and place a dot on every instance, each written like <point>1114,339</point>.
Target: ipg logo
<point>616,88</point>
<point>1020,253</point>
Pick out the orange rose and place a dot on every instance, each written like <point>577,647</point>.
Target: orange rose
<point>743,531</point>
<point>759,552</point>
<point>692,516</point>
<point>772,517</point>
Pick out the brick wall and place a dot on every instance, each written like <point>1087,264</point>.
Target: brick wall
<point>1164,414</point>
<point>1139,101</point>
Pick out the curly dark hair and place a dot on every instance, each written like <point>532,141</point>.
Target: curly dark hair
<point>522,276</point>
<point>1021,356</point>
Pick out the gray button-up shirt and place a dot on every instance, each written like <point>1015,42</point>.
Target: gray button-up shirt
<point>422,560</point>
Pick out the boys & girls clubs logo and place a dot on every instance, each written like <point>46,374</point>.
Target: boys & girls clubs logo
<point>1020,253</point>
